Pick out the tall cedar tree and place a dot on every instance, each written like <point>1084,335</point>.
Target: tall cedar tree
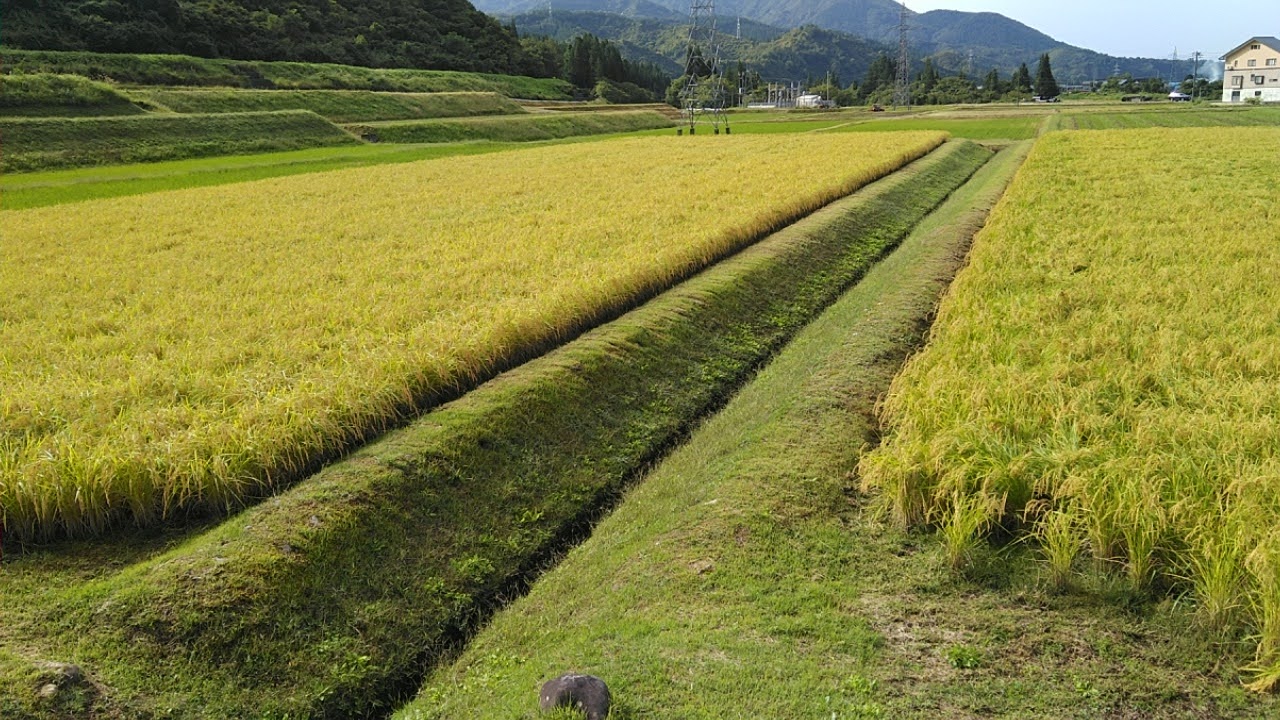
<point>1046,85</point>
<point>1022,79</point>
<point>992,83</point>
<point>880,74</point>
<point>929,75</point>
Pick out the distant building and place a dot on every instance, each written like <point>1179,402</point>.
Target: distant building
<point>1253,71</point>
<point>812,101</point>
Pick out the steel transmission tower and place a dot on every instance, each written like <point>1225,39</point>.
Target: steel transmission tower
<point>702,100</point>
<point>902,86</point>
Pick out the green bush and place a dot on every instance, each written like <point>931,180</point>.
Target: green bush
<point>623,93</point>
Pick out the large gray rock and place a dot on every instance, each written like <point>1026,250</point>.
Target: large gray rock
<point>587,693</point>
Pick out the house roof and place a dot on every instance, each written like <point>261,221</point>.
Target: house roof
<point>1269,41</point>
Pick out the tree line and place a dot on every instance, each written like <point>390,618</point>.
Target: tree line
<point>595,67</point>
<point>931,87</point>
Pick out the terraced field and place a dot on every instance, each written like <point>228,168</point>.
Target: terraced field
<point>527,338</point>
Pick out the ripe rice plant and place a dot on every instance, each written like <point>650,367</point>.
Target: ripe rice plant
<point>1109,360</point>
<point>193,349</point>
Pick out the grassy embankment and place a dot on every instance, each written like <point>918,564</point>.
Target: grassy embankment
<point>58,187</point>
<point>41,94</point>
<point>185,70</point>
<point>200,365</point>
<point>1107,384</point>
<point>47,143</point>
<point>515,128</point>
<point>334,598</point>
<point>742,578</point>
<point>339,106</point>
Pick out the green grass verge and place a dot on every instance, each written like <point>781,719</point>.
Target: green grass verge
<point>42,94</point>
<point>333,598</point>
<point>742,578</point>
<point>342,106</point>
<point>1010,125</point>
<point>193,71</point>
<point>1169,117</point>
<point>57,187</point>
<point>517,128</point>
<point>46,143</point>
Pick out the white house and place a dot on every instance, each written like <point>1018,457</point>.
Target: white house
<point>1253,71</point>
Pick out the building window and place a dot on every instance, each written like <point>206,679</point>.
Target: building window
<point>1271,62</point>
<point>1237,81</point>
<point>1255,46</point>
<point>1253,63</point>
<point>1258,79</point>
<point>1257,93</point>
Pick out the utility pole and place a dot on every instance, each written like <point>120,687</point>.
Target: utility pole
<point>902,87</point>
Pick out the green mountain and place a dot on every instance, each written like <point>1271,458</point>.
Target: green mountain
<point>429,34</point>
<point>774,53</point>
<point>957,41</point>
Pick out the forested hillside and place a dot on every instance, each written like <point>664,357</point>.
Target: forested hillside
<point>431,34</point>
<point>968,42</point>
<point>772,53</point>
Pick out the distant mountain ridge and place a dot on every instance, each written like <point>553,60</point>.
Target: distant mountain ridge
<point>775,53</point>
<point>957,41</point>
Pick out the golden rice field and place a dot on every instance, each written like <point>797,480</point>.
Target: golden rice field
<point>194,348</point>
<point>1107,372</point>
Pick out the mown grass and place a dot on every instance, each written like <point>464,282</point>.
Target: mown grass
<point>340,106</point>
<point>40,189</point>
<point>333,599</point>
<point>213,344</point>
<point>742,577</point>
<point>1169,117</point>
<point>1110,360</point>
<point>186,70</point>
<point>42,94</point>
<point>991,128</point>
<point>516,128</point>
<point>47,143</point>
<point>1013,126</point>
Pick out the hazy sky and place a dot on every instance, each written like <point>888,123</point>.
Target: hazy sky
<point>1134,28</point>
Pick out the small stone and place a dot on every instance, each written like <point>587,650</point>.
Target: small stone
<point>48,691</point>
<point>62,674</point>
<point>587,693</point>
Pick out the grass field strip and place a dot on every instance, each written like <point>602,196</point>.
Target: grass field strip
<point>326,599</point>
<point>189,349</point>
<point>1104,374</point>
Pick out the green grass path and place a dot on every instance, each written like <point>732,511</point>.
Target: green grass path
<point>744,577</point>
